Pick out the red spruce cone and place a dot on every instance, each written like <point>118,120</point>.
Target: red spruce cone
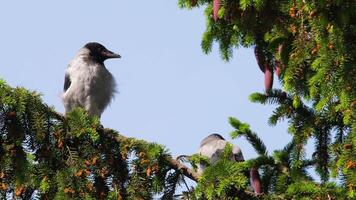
<point>268,78</point>
<point>216,6</point>
<point>260,59</point>
<point>255,178</point>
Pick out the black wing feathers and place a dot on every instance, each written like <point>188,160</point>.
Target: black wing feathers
<point>67,82</point>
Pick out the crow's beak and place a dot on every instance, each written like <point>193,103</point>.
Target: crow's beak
<point>109,54</point>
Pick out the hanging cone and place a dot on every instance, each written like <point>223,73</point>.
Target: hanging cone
<point>255,180</point>
<point>216,6</point>
<point>268,78</point>
<point>260,59</point>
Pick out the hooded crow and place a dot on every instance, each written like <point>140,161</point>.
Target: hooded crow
<point>213,148</point>
<point>88,84</point>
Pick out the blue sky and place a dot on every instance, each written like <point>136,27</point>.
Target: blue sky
<point>170,92</point>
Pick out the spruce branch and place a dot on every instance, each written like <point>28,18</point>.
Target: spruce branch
<point>243,129</point>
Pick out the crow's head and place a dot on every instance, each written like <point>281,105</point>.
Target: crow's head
<point>210,138</point>
<point>99,53</point>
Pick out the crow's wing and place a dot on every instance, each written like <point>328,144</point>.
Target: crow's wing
<point>67,82</point>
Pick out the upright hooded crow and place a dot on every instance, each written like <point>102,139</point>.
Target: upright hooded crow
<point>213,147</point>
<point>88,84</point>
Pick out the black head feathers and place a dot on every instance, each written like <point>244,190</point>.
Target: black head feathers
<point>99,53</point>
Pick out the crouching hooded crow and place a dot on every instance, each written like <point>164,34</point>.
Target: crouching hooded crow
<point>213,147</point>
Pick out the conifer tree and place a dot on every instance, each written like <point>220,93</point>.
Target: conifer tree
<point>311,47</point>
<point>44,155</point>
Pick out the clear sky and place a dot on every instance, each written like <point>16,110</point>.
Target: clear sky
<point>170,92</point>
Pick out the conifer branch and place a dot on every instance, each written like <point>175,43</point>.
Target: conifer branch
<point>173,163</point>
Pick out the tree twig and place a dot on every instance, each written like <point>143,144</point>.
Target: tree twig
<point>184,169</point>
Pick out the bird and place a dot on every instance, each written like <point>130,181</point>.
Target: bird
<point>213,147</point>
<point>87,82</point>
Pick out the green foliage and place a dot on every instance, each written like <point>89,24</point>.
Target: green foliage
<point>282,178</point>
<point>313,45</point>
<point>73,157</point>
<point>222,180</point>
<point>309,122</point>
<point>81,124</point>
<point>284,175</point>
<point>196,159</point>
<point>308,190</point>
<point>243,129</point>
